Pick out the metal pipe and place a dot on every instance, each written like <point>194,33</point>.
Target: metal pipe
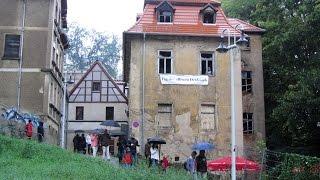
<point>21,55</point>
<point>233,120</point>
<point>143,89</point>
<point>63,124</point>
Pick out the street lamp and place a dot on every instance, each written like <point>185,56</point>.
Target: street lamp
<point>224,49</point>
<point>63,119</point>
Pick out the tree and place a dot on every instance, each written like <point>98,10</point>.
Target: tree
<point>291,67</point>
<point>87,46</point>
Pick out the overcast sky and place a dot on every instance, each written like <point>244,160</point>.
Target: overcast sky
<point>112,16</point>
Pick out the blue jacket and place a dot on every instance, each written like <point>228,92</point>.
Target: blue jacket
<point>191,165</point>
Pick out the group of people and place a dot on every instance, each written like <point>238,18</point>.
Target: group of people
<point>127,151</point>
<point>29,131</point>
<point>197,165</point>
<point>90,143</point>
<point>152,154</point>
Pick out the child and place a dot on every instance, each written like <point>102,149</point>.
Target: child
<point>165,163</point>
<point>127,158</point>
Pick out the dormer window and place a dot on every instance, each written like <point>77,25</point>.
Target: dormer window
<point>165,12</point>
<point>165,16</point>
<point>208,14</point>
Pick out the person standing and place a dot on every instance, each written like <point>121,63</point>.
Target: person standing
<point>28,129</point>
<point>133,149</point>
<point>165,163</point>
<point>121,148</point>
<point>154,151</point>
<point>40,132</point>
<point>94,144</point>
<point>201,162</point>
<point>88,143</point>
<point>76,143</point>
<point>191,165</point>
<point>147,153</point>
<point>127,158</point>
<point>104,140</point>
<point>83,144</point>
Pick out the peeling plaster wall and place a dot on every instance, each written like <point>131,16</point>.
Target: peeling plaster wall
<point>186,100</point>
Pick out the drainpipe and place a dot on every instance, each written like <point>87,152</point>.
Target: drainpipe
<point>21,54</point>
<point>143,111</point>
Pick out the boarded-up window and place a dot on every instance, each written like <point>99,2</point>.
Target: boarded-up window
<point>164,115</point>
<point>11,46</point>
<point>247,123</point>
<point>79,112</point>
<point>207,117</point>
<point>109,113</point>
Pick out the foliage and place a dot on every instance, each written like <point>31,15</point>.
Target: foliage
<point>87,46</point>
<point>242,9</point>
<point>295,166</point>
<point>50,162</point>
<point>291,67</point>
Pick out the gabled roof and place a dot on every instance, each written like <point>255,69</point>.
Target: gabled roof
<point>187,20</point>
<point>247,27</point>
<point>104,71</point>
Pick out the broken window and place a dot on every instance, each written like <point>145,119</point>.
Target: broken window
<point>207,64</point>
<point>96,86</point>
<point>247,123</point>
<point>79,112</point>
<point>165,62</point>
<point>164,115</point>
<point>207,117</point>
<point>11,46</point>
<point>209,17</point>
<point>109,113</point>
<point>246,81</point>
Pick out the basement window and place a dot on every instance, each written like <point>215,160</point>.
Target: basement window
<point>164,62</point>
<point>11,46</point>
<point>247,123</point>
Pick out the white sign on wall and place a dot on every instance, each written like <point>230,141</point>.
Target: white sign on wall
<point>184,79</point>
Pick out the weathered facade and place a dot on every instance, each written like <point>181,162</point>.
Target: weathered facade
<point>31,35</point>
<point>96,97</point>
<point>179,37</point>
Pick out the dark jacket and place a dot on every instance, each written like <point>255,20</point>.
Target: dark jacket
<point>76,141</point>
<point>133,146</point>
<point>201,162</point>
<point>104,139</point>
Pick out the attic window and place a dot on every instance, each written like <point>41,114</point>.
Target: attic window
<point>165,16</point>
<point>208,14</point>
<point>209,17</point>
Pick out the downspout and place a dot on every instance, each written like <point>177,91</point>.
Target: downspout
<point>21,54</point>
<point>143,89</point>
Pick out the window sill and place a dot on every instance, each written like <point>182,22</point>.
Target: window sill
<point>165,23</point>
<point>209,24</point>
<point>10,58</point>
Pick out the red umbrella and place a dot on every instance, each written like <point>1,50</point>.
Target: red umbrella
<point>224,164</point>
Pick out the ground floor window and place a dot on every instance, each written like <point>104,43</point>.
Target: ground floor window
<point>109,113</point>
<point>79,112</point>
<point>247,123</point>
<point>164,115</point>
<point>207,117</point>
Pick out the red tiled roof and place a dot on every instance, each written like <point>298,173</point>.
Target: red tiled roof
<point>246,26</point>
<point>186,21</point>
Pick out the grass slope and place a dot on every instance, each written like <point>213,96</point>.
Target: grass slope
<point>23,159</point>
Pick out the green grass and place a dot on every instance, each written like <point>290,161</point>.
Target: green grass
<point>23,159</point>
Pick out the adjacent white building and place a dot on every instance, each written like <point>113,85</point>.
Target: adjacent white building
<point>96,97</point>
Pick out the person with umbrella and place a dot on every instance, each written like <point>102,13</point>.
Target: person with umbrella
<point>104,140</point>
<point>155,156</point>
<point>133,143</point>
<point>201,162</point>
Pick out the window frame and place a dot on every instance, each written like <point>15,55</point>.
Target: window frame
<point>82,115</point>
<point>5,56</point>
<point>213,63</point>
<point>214,107</point>
<point>246,85</point>
<point>92,87</point>
<point>160,14</point>
<point>107,107</point>
<point>171,63</point>
<point>214,17</point>
<point>164,112</point>
<point>246,120</point>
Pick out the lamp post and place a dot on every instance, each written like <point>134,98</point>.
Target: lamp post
<point>224,49</point>
<point>63,119</point>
